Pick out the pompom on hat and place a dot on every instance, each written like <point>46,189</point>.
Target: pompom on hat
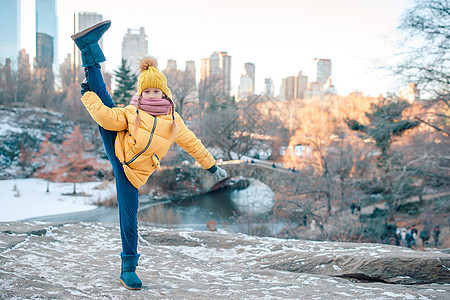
<point>151,77</point>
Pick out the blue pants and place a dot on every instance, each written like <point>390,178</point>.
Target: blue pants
<point>127,194</point>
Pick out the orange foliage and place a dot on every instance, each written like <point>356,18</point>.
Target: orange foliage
<point>321,128</point>
<point>74,165</point>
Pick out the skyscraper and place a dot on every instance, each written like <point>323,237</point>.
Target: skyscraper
<point>9,29</point>
<point>268,87</point>
<point>171,65</point>
<point>85,20</point>
<point>302,85</point>
<point>190,67</point>
<point>205,69</point>
<point>250,71</point>
<point>44,51</point>
<point>323,69</point>
<point>289,88</point>
<point>134,46</point>
<point>220,69</point>
<point>247,82</point>
<point>47,23</point>
<point>191,71</point>
<point>24,63</point>
<point>245,87</point>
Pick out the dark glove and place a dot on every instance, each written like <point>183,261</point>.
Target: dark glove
<point>84,87</point>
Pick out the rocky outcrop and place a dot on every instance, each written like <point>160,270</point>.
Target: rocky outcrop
<point>26,128</point>
<point>81,260</point>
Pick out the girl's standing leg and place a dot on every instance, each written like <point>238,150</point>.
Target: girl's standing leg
<point>127,194</point>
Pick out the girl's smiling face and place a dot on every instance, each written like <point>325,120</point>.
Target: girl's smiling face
<point>152,93</point>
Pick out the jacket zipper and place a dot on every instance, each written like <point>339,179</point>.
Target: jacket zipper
<point>146,147</point>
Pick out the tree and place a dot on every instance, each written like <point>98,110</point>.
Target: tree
<point>227,131</point>
<point>125,84</point>
<point>210,95</point>
<point>8,83</point>
<point>426,60</point>
<point>182,85</point>
<point>45,159</point>
<point>386,122</point>
<point>74,165</point>
<point>44,87</point>
<point>328,154</point>
<point>427,30</point>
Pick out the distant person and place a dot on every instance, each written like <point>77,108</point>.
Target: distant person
<point>353,207</point>
<point>414,237</point>
<point>424,236</point>
<point>436,233</point>
<point>409,239</point>
<point>305,219</point>
<point>397,237</point>
<point>136,137</point>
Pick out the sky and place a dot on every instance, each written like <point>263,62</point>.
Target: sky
<point>280,37</point>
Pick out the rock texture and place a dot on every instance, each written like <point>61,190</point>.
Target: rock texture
<point>81,261</point>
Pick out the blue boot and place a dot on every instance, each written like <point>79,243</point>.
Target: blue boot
<point>87,41</point>
<point>128,275</point>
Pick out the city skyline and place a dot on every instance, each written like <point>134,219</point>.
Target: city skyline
<point>280,39</point>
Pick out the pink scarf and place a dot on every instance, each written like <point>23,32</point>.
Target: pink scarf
<point>154,107</point>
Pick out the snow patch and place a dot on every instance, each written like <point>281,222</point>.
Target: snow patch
<point>27,198</point>
<point>257,198</point>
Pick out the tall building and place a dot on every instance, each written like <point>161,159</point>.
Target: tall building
<point>410,94</point>
<point>134,46</point>
<point>268,87</point>
<point>85,20</point>
<point>205,69</point>
<point>190,67</point>
<point>9,29</point>
<point>250,71</point>
<point>220,69</point>
<point>302,85</point>
<point>65,71</point>
<point>245,89</point>
<point>47,23</point>
<point>24,63</point>
<point>191,72</point>
<point>247,82</point>
<point>171,65</point>
<point>289,88</point>
<point>323,70</point>
<point>44,51</point>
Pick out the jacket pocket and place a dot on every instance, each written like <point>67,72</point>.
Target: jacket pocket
<point>156,162</point>
<point>146,147</point>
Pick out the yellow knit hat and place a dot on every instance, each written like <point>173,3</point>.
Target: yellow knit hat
<point>151,77</point>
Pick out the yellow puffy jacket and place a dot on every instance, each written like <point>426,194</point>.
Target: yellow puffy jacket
<point>141,153</point>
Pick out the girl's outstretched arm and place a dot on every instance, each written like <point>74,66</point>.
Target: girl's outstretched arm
<point>187,140</point>
<point>113,119</point>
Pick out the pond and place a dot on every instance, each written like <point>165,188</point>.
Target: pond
<point>246,210</point>
<point>245,207</point>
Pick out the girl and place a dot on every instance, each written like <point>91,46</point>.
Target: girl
<point>135,137</point>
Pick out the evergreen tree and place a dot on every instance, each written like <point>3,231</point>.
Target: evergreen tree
<point>125,84</point>
<point>395,178</point>
<point>386,122</point>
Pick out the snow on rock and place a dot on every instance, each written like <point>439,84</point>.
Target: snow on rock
<point>27,126</point>
<point>81,261</point>
<point>27,198</point>
<point>256,199</point>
